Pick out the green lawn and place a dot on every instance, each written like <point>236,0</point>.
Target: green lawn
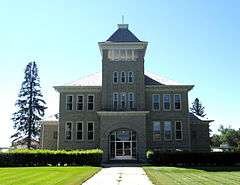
<point>208,176</point>
<point>46,175</point>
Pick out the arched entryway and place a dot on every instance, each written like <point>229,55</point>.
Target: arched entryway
<point>122,145</point>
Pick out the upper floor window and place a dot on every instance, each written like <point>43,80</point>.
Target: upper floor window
<point>178,130</point>
<point>131,100</point>
<point>123,100</point>
<point>90,130</point>
<point>122,54</point>
<point>80,102</point>
<point>167,130</point>
<point>123,77</point>
<point>115,77</point>
<point>69,102</point>
<point>166,102</point>
<point>156,131</point>
<point>90,102</point>
<point>68,131</point>
<point>79,130</point>
<point>155,101</point>
<point>115,101</point>
<point>130,77</point>
<point>177,101</point>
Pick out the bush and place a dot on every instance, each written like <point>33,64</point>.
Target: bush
<point>190,158</point>
<point>50,157</point>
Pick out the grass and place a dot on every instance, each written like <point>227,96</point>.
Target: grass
<point>46,175</point>
<point>206,176</point>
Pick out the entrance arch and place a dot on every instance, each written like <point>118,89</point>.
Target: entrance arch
<point>123,144</point>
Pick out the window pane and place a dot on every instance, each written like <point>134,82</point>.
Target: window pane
<point>156,126</point>
<point>167,130</point>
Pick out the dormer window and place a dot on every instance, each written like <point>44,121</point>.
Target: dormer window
<point>122,55</point>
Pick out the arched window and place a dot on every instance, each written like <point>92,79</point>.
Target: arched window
<point>123,77</point>
<point>130,77</point>
<point>115,77</point>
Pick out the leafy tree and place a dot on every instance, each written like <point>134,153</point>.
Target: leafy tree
<point>229,135</point>
<point>215,140</point>
<point>197,108</point>
<point>30,105</point>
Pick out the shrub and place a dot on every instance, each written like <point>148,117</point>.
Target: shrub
<point>191,158</point>
<point>50,157</point>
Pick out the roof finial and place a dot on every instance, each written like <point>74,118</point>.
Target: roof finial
<point>122,19</point>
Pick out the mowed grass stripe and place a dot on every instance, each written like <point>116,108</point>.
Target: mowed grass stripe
<point>23,179</point>
<point>46,175</point>
<point>186,176</point>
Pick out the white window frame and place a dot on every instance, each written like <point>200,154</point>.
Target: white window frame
<point>129,77</point>
<point>125,100</point>
<point>133,100</point>
<point>178,130</point>
<point>155,132</point>
<point>65,136</point>
<point>66,103</point>
<point>113,98</point>
<point>124,77</point>
<point>115,72</point>
<point>93,130</point>
<point>78,102</point>
<point>175,102</point>
<point>153,102</point>
<point>169,102</point>
<point>78,130</point>
<point>164,130</point>
<point>93,102</point>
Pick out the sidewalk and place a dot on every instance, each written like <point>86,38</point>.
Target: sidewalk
<point>119,176</point>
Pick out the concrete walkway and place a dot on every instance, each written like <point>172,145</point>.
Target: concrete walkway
<point>119,176</point>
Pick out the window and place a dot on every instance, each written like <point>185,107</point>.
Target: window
<point>130,77</point>
<point>177,101</point>
<point>155,101</point>
<point>156,131</point>
<point>69,102</point>
<point>166,102</point>
<point>68,131</point>
<point>90,130</point>
<point>123,100</point>
<point>115,77</point>
<point>79,131</point>
<point>131,100</point>
<point>122,54</point>
<point>178,129</point>
<point>115,101</point>
<point>90,102</point>
<point>55,135</point>
<point>123,77</point>
<point>167,130</point>
<point>80,102</point>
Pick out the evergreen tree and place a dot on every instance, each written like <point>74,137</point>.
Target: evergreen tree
<point>30,105</point>
<point>197,108</point>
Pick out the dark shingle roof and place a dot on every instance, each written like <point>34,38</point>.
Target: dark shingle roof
<point>123,35</point>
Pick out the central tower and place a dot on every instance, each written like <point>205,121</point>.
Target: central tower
<point>123,71</point>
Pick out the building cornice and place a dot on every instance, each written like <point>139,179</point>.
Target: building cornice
<point>169,87</point>
<point>122,113</point>
<point>78,88</point>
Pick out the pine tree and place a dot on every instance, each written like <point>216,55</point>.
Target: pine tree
<point>197,108</point>
<point>30,105</point>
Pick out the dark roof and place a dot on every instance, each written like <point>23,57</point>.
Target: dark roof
<point>123,35</point>
<point>150,81</point>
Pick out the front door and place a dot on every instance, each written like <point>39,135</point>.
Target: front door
<point>123,145</point>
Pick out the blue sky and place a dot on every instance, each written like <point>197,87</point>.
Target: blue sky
<point>193,42</point>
